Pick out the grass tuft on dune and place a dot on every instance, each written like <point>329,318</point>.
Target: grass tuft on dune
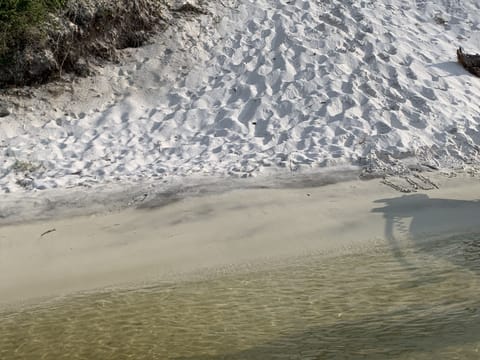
<point>42,39</point>
<point>21,18</point>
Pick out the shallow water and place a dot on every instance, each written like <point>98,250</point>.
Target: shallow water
<point>418,302</point>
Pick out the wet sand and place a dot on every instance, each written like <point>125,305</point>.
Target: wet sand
<point>224,231</point>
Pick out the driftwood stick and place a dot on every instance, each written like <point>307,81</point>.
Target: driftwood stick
<point>470,62</point>
<point>48,232</point>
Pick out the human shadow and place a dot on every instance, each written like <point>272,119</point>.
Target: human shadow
<point>434,223</point>
<point>416,328</point>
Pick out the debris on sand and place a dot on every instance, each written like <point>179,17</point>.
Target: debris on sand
<point>470,62</point>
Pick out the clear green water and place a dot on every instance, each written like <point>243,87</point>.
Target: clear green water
<point>421,302</point>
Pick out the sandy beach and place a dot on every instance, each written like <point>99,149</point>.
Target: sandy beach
<point>249,90</point>
<point>288,176</point>
<point>225,232</point>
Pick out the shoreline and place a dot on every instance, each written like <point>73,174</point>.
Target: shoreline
<point>57,257</point>
<point>62,203</point>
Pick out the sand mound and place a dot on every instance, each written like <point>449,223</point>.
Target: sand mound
<point>257,87</point>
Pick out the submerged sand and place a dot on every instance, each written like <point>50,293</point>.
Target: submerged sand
<point>225,231</point>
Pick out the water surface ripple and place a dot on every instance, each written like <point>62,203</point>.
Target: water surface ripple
<point>363,305</point>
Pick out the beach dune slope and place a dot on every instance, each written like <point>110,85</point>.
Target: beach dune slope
<point>252,87</point>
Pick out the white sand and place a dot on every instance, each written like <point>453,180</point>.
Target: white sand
<point>261,85</point>
<point>238,228</point>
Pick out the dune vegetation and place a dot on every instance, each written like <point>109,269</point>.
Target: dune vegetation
<point>42,39</point>
<point>20,16</point>
<point>22,22</point>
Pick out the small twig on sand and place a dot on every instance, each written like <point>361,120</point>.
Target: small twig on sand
<point>48,232</point>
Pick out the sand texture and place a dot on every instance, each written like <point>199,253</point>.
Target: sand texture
<point>225,232</point>
<point>259,87</point>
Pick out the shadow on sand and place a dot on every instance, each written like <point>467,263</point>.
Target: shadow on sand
<point>434,223</point>
<point>450,68</point>
<point>414,329</point>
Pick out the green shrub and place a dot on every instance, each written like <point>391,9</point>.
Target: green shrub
<point>19,18</point>
<point>36,47</point>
